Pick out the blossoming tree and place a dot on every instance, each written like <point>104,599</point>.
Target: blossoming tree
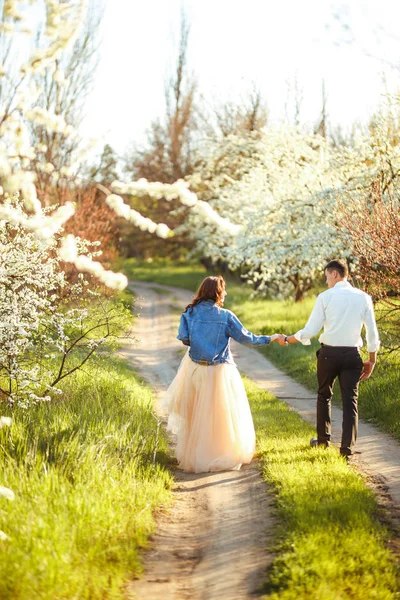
<point>284,193</point>
<point>270,189</point>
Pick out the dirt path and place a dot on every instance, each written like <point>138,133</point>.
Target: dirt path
<point>212,544</point>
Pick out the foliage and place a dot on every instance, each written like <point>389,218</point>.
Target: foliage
<point>168,154</point>
<point>266,202</point>
<point>64,91</point>
<point>25,109</point>
<point>39,105</point>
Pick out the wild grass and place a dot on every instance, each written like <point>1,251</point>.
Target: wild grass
<point>185,274</point>
<point>379,401</point>
<point>329,544</point>
<point>87,474</point>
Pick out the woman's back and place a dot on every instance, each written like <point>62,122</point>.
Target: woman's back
<point>207,328</point>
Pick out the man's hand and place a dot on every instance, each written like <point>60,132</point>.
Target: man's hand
<point>367,369</point>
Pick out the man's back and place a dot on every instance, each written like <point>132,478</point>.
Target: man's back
<point>342,311</point>
<point>345,311</point>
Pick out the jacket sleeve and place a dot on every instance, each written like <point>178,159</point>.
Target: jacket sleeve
<point>183,331</point>
<point>241,335</point>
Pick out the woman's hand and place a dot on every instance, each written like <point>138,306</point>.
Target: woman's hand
<point>280,338</point>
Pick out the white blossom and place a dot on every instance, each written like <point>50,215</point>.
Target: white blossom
<point>158,190</point>
<point>7,28</point>
<point>69,253</point>
<point>162,230</point>
<point>31,200</point>
<point>5,422</point>
<point>43,226</point>
<point>7,493</point>
<point>123,210</point>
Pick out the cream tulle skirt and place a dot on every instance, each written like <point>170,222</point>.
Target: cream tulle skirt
<point>210,415</point>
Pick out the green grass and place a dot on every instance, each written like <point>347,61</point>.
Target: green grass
<point>87,475</point>
<point>186,274</point>
<point>328,542</point>
<point>379,401</point>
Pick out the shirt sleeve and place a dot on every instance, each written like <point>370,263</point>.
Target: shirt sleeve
<point>183,331</point>
<point>241,335</point>
<point>313,325</point>
<point>371,329</point>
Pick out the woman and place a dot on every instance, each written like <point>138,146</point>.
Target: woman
<point>207,403</point>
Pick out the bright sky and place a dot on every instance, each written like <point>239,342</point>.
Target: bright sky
<point>235,44</point>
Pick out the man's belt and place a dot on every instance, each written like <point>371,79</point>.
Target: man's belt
<point>339,347</point>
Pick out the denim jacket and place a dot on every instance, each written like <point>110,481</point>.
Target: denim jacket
<point>207,328</point>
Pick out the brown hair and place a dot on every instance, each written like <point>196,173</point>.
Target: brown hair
<point>211,288</point>
<point>338,265</point>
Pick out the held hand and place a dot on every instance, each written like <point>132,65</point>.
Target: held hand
<point>280,338</point>
<point>367,369</point>
<point>283,340</point>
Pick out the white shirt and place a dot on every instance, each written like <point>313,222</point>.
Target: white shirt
<point>342,311</point>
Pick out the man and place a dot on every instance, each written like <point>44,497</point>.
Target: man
<point>342,311</point>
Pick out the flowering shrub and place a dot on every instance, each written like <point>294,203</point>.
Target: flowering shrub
<point>48,327</point>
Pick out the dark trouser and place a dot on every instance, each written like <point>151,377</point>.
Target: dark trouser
<point>344,363</point>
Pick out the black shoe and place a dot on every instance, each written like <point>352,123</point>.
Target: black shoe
<point>314,442</point>
<point>350,454</point>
